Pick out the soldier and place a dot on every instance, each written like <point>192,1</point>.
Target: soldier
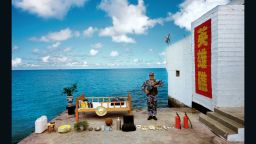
<point>150,88</point>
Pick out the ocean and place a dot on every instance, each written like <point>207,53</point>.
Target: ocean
<point>39,92</point>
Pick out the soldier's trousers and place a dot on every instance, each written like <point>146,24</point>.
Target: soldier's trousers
<point>152,105</point>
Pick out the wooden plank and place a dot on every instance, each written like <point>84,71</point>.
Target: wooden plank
<point>117,109</point>
<point>108,109</point>
<point>130,103</point>
<point>82,97</point>
<point>109,97</point>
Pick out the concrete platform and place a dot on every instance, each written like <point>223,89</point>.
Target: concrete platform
<point>200,134</point>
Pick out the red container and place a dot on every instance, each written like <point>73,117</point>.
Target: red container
<point>185,120</point>
<point>177,121</point>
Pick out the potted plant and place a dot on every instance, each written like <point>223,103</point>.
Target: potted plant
<point>81,126</point>
<point>69,93</point>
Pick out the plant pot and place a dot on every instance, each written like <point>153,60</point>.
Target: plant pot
<point>81,128</point>
<point>70,100</point>
<point>71,109</point>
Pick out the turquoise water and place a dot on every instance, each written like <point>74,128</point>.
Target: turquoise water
<point>39,92</point>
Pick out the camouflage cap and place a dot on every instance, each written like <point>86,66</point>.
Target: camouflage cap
<point>151,74</point>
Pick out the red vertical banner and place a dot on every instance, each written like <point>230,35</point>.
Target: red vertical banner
<point>202,43</point>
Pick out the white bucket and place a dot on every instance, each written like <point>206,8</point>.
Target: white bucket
<point>41,124</point>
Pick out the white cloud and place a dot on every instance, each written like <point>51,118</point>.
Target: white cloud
<point>135,60</point>
<point>89,31</point>
<point>161,63</point>
<point>56,59</point>
<point>48,8</point>
<point>126,19</point>
<point>55,45</point>
<point>16,62</point>
<point>93,52</point>
<point>114,53</point>
<point>72,63</point>
<point>61,35</point>
<point>62,59</point>
<point>85,63</point>
<point>45,59</point>
<point>112,64</point>
<point>162,54</point>
<point>32,65</point>
<point>41,39</point>
<point>77,64</point>
<point>190,10</point>
<point>67,49</point>
<point>123,38</point>
<point>96,46</point>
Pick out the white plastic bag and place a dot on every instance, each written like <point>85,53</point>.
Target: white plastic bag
<point>41,124</point>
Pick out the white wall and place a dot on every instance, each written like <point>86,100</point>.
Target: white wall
<point>227,58</point>
<point>230,56</point>
<point>179,58</point>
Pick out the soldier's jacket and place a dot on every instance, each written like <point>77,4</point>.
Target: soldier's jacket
<point>148,85</point>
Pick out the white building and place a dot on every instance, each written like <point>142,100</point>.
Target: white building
<point>207,69</point>
<point>227,61</point>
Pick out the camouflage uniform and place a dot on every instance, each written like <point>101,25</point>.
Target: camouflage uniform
<point>151,97</point>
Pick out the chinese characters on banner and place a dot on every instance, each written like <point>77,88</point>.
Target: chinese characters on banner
<point>202,40</point>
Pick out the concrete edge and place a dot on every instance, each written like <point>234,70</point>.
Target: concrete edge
<point>172,102</point>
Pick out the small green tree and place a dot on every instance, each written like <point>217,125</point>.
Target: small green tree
<point>70,90</point>
<point>81,126</point>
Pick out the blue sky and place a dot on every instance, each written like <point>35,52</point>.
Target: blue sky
<point>71,34</point>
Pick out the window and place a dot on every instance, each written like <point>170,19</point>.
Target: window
<point>177,73</point>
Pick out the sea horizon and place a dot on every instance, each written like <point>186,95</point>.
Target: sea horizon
<point>94,68</point>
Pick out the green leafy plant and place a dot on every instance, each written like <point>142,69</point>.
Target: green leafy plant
<point>70,90</point>
<point>81,126</point>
